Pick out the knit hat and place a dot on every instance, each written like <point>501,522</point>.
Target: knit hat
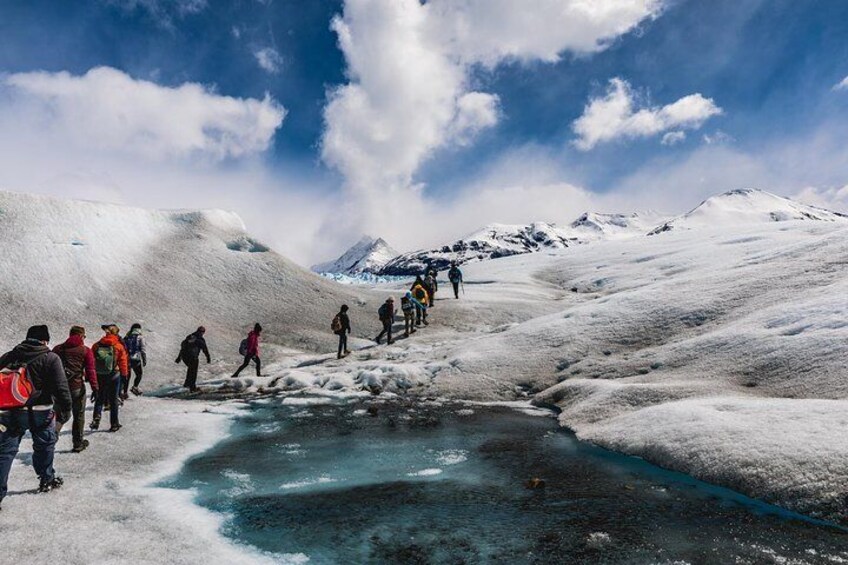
<point>77,330</point>
<point>135,326</point>
<point>40,333</point>
<point>201,330</point>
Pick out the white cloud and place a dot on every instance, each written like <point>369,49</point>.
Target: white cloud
<point>673,137</point>
<point>106,136</point>
<point>409,91</point>
<point>841,85</point>
<point>268,59</point>
<point>616,116</point>
<point>717,137</point>
<point>108,110</point>
<point>489,31</point>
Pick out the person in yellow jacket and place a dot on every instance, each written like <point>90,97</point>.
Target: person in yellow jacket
<point>422,299</point>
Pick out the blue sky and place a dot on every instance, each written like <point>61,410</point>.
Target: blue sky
<point>765,74</point>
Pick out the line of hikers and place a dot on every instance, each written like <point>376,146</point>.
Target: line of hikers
<point>42,389</point>
<point>414,304</point>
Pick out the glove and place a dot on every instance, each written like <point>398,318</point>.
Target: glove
<point>62,417</point>
<point>177,360</point>
<point>94,396</point>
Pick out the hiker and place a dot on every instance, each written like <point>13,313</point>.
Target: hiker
<point>455,277</point>
<point>419,293</point>
<point>387,317</point>
<point>341,327</point>
<point>189,354</point>
<point>43,369</point>
<point>78,361</point>
<point>111,363</point>
<point>134,343</point>
<point>250,349</point>
<point>431,285</point>
<point>409,306</point>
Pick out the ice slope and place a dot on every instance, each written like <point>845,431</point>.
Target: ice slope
<point>744,207</point>
<point>490,242</point>
<point>70,262</point>
<point>368,255</point>
<point>719,352</point>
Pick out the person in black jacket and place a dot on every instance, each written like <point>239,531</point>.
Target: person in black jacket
<point>190,350</point>
<point>44,369</point>
<point>343,331</point>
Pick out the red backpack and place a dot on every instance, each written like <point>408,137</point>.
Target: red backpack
<point>15,388</point>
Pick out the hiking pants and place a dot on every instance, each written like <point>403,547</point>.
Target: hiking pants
<point>191,372</point>
<point>420,313</point>
<point>110,391</point>
<point>455,289</point>
<point>137,368</point>
<point>342,342</point>
<point>13,425</point>
<point>78,398</point>
<point>247,360</point>
<point>387,330</point>
<point>408,321</point>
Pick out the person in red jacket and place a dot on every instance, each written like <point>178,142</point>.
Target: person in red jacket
<point>78,361</point>
<point>111,363</point>
<point>251,352</point>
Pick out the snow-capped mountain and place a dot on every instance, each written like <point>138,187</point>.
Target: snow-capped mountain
<point>68,262</point>
<point>368,255</point>
<point>491,242</point>
<point>592,226</point>
<point>744,207</point>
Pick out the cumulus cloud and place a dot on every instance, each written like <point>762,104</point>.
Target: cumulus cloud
<point>490,31</point>
<point>841,85</point>
<point>616,115</point>
<point>109,110</point>
<point>269,60</point>
<point>106,136</point>
<point>409,92</point>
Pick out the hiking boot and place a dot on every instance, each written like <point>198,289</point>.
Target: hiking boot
<point>136,391</point>
<point>115,428</point>
<point>124,396</point>
<point>81,447</point>
<point>390,342</point>
<point>347,351</point>
<point>52,484</point>
<point>95,424</point>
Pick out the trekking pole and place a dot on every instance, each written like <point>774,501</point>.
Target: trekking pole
<point>462,284</point>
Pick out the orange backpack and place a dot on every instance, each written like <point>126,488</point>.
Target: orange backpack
<point>15,388</point>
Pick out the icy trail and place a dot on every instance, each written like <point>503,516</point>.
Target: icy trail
<point>718,351</point>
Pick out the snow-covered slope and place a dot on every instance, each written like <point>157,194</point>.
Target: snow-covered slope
<point>592,226</point>
<point>491,242</point>
<point>368,255</point>
<point>719,352</point>
<point>71,262</point>
<point>747,206</point>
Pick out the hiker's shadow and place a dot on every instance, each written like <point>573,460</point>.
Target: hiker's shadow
<point>19,492</point>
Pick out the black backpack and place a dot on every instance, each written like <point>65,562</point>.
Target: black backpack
<point>190,347</point>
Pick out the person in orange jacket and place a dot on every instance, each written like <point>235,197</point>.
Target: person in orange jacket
<point>111,363</point>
